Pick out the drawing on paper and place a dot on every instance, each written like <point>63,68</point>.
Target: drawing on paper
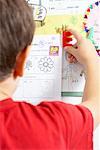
<point>91,21</point>
<point>39,12</point>
<point>28,65</point>
<point>46,64</point>
<point>54,51</point>
<point>72,76</point>
<point>69,71</point>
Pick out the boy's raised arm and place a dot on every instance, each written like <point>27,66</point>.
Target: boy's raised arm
<point>85,53</point>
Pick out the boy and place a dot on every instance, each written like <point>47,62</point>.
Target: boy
<point>50,125</point>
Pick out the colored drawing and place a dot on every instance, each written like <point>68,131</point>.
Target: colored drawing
<point>28,65</point>
<point>54,51</point>
<point>92,23</point>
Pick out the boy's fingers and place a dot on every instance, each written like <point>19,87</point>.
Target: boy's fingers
<point>70,50</point>
<point>69,55</point>
<point>74,60</point>
<point>76,34</point>
<point>70,60</point>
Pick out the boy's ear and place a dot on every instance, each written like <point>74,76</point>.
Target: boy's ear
<point>20,62</point>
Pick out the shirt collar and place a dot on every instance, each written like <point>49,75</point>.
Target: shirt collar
<point>6,104</point>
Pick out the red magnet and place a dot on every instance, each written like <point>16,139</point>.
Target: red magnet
<point>66,39</point>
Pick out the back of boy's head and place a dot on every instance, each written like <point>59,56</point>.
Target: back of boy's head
<point>16,33</point>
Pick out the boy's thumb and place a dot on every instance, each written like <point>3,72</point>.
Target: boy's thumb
<point>70,50</point>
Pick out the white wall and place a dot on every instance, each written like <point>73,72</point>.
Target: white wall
<point>77,100</point>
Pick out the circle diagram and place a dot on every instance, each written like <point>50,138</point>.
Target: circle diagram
<point>46,64</point>
<point>92,23</point>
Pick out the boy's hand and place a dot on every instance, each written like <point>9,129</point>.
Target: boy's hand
<point>83,51</point>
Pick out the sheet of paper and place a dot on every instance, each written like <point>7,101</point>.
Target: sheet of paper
<point>92,21</point>
<point>72,76</point>
<point>58,7</point>
<point>45,71</point>
<point>42,79</point>
<point>70,13</point>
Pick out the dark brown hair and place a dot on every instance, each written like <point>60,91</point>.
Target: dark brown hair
<point>16,32</point>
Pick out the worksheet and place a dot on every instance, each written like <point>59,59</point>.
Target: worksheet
<point>69,13</point>
<point>73,79</point>
<point>42,78</point>
<point>47,71</point>
<point>61,7</point>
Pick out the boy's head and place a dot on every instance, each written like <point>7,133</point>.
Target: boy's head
<point>16,33</point>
